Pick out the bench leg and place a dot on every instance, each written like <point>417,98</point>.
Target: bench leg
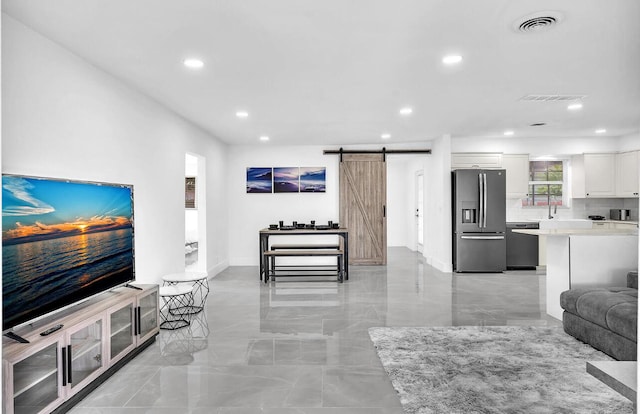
<point>272,272</point>
<point>267,272</point>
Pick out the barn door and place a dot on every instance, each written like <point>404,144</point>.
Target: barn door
<point>363,200</point>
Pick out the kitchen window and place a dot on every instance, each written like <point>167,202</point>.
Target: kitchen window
<point>546,183</point>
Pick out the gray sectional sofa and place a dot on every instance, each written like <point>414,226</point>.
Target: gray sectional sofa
<point>605,318</point>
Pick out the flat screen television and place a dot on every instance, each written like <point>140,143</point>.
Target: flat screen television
<point>62,242</point>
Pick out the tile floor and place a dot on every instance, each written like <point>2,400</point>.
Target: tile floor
<point>303,347</point>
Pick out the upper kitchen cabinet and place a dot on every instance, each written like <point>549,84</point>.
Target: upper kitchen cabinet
<point>627,174</point>
<point>577,176</point>
<point>482,160</point>
<point>517,167</point>
<point>600,175</point>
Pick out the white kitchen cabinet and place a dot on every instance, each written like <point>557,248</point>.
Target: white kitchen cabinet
<point>601,225</point>
<point>627,174</point>
<point>577,176</point>
<point>483,160</point>
<point>621,225</point>
<point>600,175</point>
<point>517,168</point>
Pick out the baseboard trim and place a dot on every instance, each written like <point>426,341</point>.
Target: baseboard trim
<point>218,268</point>
<point>440,265</point>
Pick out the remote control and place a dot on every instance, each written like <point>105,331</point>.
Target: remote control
<point>51,330</point>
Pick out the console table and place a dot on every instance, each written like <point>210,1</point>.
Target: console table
<point>89,342</point>
<point>266,233</point>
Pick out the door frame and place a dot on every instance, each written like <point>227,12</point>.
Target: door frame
<point>419,210</point>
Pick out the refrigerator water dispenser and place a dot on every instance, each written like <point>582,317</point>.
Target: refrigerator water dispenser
<point>468,215</point>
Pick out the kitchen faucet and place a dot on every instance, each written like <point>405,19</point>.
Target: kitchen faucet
<point>555,206</point>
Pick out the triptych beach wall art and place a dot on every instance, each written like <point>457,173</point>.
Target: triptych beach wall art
<point>286,179</point>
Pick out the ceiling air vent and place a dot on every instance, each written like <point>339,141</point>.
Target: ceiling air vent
<point>552,98</point>
<point>537,22</point>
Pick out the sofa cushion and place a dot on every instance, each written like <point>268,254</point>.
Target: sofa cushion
<point>623,320</point>
<point>600,338</point>
<point>613,308</point>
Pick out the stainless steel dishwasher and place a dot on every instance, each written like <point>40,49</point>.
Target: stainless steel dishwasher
<point>522,249</point>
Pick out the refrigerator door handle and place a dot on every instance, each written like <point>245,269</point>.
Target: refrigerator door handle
<point>484,186</point>
<point>482,237</point>
<point>481,200</point>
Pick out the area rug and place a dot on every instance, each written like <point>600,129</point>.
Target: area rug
<point>504,369</point>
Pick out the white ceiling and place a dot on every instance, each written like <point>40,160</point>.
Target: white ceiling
<point>338,71</point>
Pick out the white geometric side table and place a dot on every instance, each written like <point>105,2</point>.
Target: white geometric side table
<point>174,310</point>
<point>200,283</point>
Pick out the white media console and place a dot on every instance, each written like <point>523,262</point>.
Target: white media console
<point>53,372</point>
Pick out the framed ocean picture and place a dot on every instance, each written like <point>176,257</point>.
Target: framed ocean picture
<point>313,179</point>
<point>286,179</point>
<point>259,180</point>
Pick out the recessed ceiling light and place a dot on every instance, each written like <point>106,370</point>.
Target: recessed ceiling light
<point>385,136</point>
<point>193,63</point>
<point>508,133</point>
<point>264,138</point>
<point>451,59</point>
<point>406,111</point>
<point>574,106</point>
<point>601,131</point>
<point>242,114</point>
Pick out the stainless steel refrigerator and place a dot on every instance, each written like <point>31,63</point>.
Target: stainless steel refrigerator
<point>479,220</point>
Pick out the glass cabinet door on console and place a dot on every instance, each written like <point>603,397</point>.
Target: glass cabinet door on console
<point>84,354</point>
<point>147,318</point>
<point>36,381</point>
<point>121,330</point>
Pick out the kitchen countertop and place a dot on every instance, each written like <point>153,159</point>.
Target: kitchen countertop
<point>576,232</point>
<point>616,221</point>
<point>573,219</point>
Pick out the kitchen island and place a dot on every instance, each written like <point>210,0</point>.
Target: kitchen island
<point>586,258</point>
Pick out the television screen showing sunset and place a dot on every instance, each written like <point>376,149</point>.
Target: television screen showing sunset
<point>62,241</point>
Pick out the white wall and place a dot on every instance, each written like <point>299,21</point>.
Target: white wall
<point>64,118</point>
<point>398,196</point>
<point>249,213</point>
<point>630,142</point>
<point>437,214</point>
